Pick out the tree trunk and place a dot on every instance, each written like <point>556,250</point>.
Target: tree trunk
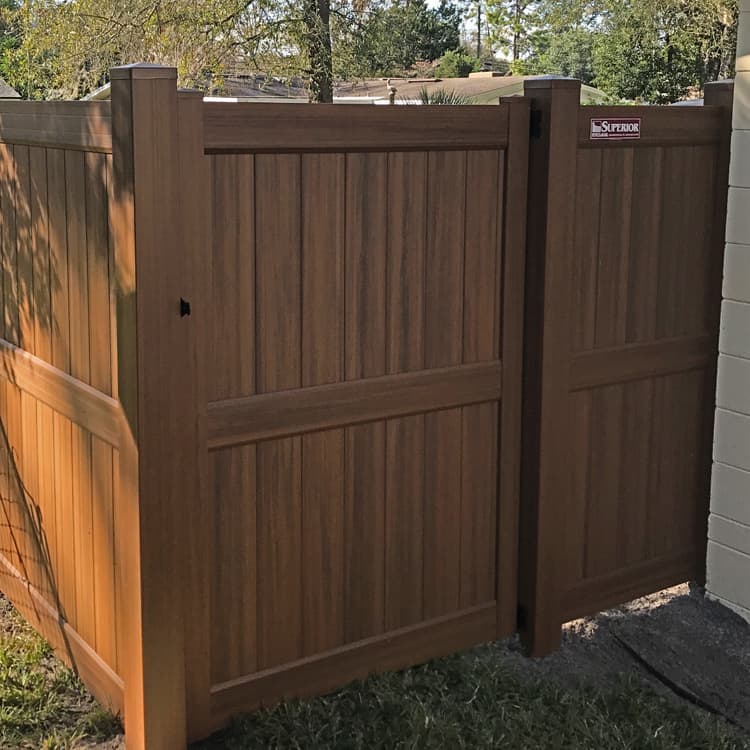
<point>317,15</point>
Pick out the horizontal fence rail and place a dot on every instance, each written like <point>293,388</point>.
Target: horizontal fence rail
<point>259,128</point>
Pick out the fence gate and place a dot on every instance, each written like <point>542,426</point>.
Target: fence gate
<point>364,371</point>
<point>626,225</point>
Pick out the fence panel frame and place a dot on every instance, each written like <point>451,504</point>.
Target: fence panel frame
<point>550,364</point>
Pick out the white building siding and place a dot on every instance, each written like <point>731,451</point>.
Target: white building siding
<point>728,575</point>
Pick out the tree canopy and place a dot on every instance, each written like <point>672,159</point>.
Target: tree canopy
<point>651,50</point>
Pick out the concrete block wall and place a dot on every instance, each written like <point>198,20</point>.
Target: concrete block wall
<point>728,574</point>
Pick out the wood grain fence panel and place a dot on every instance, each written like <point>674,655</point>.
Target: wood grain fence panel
<point>103,540</point>
<point>58,238</point>
<point>405,460</point>
<point>233,277</point>
<point>365,352</point>
<point>14,431</point>
<point>444,294</point>
<point>405,511</point>
<point>24,250</point>
<point>322,269</point>
<point>234,573</point>
<point>82,511</point>
<point>323,544</point>
<point>31,503</point>
<point>364,531</point>
<point>41,253</point>
<point>10,240</point>
<point>481,298</point>
<point>279,497</point>
<point>479,469</point>
<point>634,371</point>
<point>446,227</point>
<point>634,470</point>
<point>604,480</point>
<point>365,263</point>
<point>379,314</point>
<point>97,269</point>
<point>46,498</point>
<point>645,227</point>
<point>614,246</point>
<point>407,237</point>
<point>75,193</point>
<point>442,532</point>
<point>586,261</point>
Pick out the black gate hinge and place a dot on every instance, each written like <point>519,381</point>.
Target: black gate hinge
<point>535,123</point>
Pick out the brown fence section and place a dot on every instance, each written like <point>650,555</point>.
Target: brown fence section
<point>625,259</point>
<point>276,381</point>
<point>60,438</point>
<point>365,289</point>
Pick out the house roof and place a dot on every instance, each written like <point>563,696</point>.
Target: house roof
<point>7,91</point>
<point>481,88</point>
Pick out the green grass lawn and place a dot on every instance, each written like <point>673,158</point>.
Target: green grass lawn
<point>42,704</point>
<point>474,701</point>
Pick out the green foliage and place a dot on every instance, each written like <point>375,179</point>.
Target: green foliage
<point>442,96</point>
<point>457,64</point>
<point>42,704</point>
<point>512,25</point>
<point>660,49</point>
<point>651,50</point>
<point>388,38</point>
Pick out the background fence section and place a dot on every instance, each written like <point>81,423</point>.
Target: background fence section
<point>60,437</point>
<point>625,259</point>
<point>366,293</point>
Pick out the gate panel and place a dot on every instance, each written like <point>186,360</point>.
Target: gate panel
<point>366,313</point>
<point>623,303</point>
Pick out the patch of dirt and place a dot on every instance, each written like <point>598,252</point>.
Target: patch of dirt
<point>684,645</point>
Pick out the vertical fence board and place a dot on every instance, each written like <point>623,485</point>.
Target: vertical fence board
<point>97,266</point>
<point>10,240</point>
<point>48,521</point>
<point>40,253</point>
<point>481,318</point>
<point>277,246</point>
<point>404,521</point>
<point>25,261</point>
<point>643,272</point>
<point>365,350</point>
<point>323,235</point>
<point>404,509</point>
<point>234,604</point>
<point>75,191</point>
<point>83,534</point>
<point>103,541</point>
<point>58,240</point>
<point>478,504</point>
<point>233,276</point>
<point>614,246</point>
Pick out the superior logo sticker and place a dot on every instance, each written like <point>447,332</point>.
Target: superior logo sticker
<point>615,128</point>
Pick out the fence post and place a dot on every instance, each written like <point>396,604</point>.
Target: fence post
<point>514,259</point>
<point>555,104</point>
<point>157,366</point>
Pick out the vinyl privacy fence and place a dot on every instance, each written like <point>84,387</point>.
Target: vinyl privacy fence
<point>279,382</point>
